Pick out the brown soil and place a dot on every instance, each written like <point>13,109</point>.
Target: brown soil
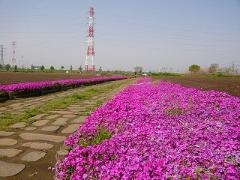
<point>15,77</point>
<point>230,85</point>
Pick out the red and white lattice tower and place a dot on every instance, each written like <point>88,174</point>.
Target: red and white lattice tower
<point>89,63</point>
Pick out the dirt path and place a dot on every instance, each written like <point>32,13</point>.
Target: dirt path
<point>29,152</point>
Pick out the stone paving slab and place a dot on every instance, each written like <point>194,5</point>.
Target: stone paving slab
<point>70,129</point>
<point>38,145</point>
<point>62,112</point>
<point>62,152</point>
<point>43,137</point>
<point>74,111</point>
<point>30,128</point>
<point>16,105</point>
<point>3,108</point>
<point>50,128</point>
<point>69,116</point>
<point>18,125</point>
<point>5,133</point>
<point>33,156</point>
<point>52,116</point>
<point>10,169</point>
<point>80,119</point>
<point>60,121</point>
<point>81,109</point>
<point>7,142</point>
<point>40,123</point>
<point>9,152</point>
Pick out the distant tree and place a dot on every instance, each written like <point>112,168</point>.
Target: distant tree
<point>32,67</point>
<point>7,67</point>
<point>15,68</point>
<point>1,66</point>
<point>213,68</point>
<point>194,68</point>
<point>100,69</point>
<point>62,67</point>
<point>71,68</point>
<point>51,68</point>
<point>138,70</point>
<point>80,69</point>
<point>42,68</point>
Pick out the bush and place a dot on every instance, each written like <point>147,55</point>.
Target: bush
<point>7,67</point>
<point>194,68</point>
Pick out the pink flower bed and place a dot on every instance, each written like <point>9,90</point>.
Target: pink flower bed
<point>26,86</point>
<point>158,132</point>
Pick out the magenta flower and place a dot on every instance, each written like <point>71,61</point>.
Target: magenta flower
<point>157,132</point>
<point>27,86</point>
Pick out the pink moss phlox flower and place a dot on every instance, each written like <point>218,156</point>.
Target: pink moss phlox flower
<point>159,131</point>
<point>26,86</point>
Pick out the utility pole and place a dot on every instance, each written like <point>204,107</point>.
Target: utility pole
<point>14,61</point>
<point>2,55</point>
<point>89,62</point>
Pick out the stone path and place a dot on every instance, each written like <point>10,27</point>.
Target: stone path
<point>30,152</point>
<point>19,105</point>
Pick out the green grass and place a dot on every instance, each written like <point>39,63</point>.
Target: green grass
<point>100,136</point>
<point>223,75</point>
<point>7,119</point>
<point>173,112</point>
<point>164,74</point>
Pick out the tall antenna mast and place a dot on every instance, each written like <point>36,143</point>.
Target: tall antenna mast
<point>14,61</point>
<point>89,62</point>
<point>2,54</point>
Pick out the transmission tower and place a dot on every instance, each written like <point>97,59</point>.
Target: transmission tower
<point>14,61</point>
<point>89,62</point>
<point>2,55</point>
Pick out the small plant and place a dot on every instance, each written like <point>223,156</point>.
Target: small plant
<point>51,68</point>
<point>42,68</point>
<point>7,67</point>
<point>15,68</point>
<point>80,69</point>
<point>220,74</point>
<point>100,136</point>
<point>173,112</point>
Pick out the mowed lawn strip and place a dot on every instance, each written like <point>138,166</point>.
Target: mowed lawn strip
<point>7,119</point>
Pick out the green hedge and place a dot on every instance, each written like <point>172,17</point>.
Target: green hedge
<point>3,96</point>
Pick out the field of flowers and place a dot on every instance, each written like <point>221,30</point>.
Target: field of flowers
<point>43,87</point>
<point>157,131</point>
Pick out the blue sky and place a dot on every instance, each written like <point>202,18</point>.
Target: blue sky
<point>154,34</point>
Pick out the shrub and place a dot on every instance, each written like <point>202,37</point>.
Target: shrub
<point>194,68</point>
